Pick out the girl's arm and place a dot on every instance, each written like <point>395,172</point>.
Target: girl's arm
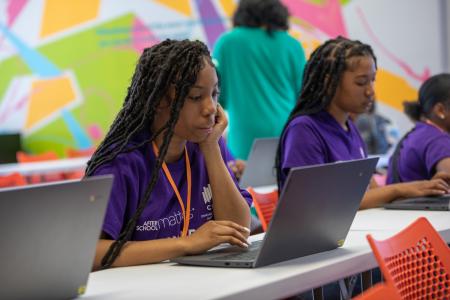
<point>228,202</point>
<point>376,196</point>
<point>207,236</point>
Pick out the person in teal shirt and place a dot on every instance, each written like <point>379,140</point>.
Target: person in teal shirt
<point>260,68</point>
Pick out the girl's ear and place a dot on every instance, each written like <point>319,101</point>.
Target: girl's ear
<point>441,111</point>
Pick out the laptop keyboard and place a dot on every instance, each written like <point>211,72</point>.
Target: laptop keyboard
<point>249,254</point>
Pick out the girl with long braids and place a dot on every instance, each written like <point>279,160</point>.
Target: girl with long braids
<point>425,150</point>
<point>172,193</point>
<point>338,80</point>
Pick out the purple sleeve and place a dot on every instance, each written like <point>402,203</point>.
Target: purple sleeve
<point>301,146</point>
<point>226,155</point>
<point>115,212</point>
<point>437,150</point>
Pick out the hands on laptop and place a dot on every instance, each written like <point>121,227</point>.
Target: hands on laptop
<point>214,233</point>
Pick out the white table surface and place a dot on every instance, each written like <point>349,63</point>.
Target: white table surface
<point>172,281</point>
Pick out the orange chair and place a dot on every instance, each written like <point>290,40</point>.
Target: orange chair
<point>23,157</point>
<point>415,262</point>
<point>265,204</point>
<point>74,153</point>
<point>13,179</point>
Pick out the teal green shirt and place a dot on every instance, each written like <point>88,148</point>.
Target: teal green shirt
<point>260,80</point>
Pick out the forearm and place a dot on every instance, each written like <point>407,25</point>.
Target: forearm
<point>377,196</point>
<point>141,252</point>
<point>228,203</point>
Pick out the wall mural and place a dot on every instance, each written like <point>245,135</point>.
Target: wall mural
<point>65,65</point>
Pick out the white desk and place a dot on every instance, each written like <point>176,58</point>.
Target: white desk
<point>172,281</point>
<point>51,166</point>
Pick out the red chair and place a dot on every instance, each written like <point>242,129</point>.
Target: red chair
<point>415,262</point>
<point>74,153</point>
<point>265,204</point>
<point>13,179</point>
<point>23,157</point>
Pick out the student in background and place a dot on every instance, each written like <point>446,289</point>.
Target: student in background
<point>260,68</point>
<point>424,152</point>
<point>173,194</point>
<point>338,80</point>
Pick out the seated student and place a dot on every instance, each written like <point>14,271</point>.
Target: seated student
<point>425,150</point>
<point>173,194</point>
<point>338,80</point>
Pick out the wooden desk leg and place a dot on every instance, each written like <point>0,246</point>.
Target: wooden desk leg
<point>318,293</point>
<point>366,279</point>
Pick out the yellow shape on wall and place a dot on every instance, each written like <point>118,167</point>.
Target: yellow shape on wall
<point>228,7</point>
<point>48,96</point>
<point>392,89</point>
<point>60,15</point>
<point>181,6</point>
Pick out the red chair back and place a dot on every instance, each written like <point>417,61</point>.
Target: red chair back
<point>23,157</point>
<point>416,261</point>
<point>74,153</point>
<point>14,179</point>
<point>265,204</point>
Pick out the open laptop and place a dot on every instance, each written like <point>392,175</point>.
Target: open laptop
<point>313,214</point>
<point>421,203</point>
<point>10,144</point>
<point>259,169</point>
<point>49,234</point>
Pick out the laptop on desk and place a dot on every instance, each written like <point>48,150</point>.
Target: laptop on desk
<point>49,234</point>
<point>259,169</point>
<point>313,214</point>
<point>422,203</point>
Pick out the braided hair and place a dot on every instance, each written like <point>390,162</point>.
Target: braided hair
<point>321,78</point>
<point>169,64</point>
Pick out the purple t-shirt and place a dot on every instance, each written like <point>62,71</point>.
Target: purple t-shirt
<point>421,150</point>
<point>318,139</point>
<point>162,217</point>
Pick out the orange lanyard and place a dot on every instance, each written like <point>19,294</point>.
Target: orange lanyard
<point>186,212</point>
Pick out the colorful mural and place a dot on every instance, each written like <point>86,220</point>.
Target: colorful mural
<point>65,70</point>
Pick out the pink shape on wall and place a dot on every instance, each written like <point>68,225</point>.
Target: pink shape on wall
<point>95,132</point>
<point>402,64</point>
<point>326,17</point>
<point>13,9</point>
<point>141,36</point>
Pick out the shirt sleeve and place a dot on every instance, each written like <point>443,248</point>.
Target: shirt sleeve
<point>437,150</point>
<point>301,146</point>
<point>226,155</point>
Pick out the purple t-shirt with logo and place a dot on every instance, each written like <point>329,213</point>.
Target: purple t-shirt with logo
<point>162,217</point>
<point>318,139</point>
<point>421,150</point>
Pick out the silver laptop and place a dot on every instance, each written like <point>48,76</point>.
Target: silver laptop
<point>314,214</point>
<point>49,234</point>
<point>260,169</point>
<point>421,203</point>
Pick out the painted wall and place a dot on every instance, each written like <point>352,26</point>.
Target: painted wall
<point>65,65</point>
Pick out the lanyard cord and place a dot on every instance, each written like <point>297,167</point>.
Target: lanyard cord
<point>186,212</point>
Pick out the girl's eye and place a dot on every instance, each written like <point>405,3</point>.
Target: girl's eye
<point>215,94</point>
<point>196,98</point>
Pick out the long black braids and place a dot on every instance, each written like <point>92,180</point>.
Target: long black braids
<point>168,64</point>
<point>321,78</point>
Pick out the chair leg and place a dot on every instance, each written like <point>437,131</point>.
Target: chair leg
<point>366,280</point>
<point>318,293</point>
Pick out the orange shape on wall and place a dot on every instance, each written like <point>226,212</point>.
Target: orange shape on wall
<point>48,96</point>
<point>392,89</point>
<point>181,6</point>
<point>61,15</point>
